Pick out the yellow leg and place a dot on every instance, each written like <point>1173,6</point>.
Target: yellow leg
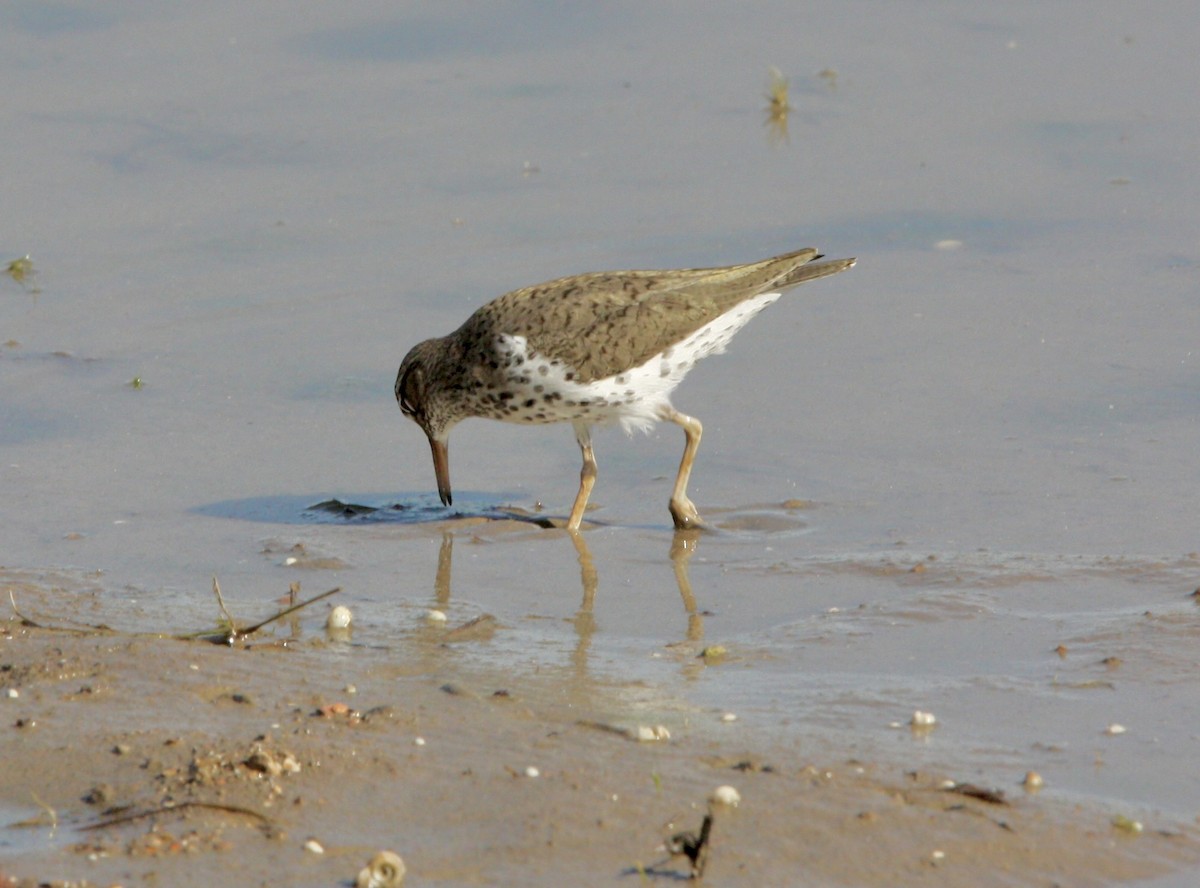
<point>587,476</point>
<point>682,510</point>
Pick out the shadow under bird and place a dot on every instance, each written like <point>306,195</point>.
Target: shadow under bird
<point>592,349</point>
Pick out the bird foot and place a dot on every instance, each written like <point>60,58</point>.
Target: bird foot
<point>685,516</point>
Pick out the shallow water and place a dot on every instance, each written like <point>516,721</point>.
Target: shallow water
<point>256,212</point>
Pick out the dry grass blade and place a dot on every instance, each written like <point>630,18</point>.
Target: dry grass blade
<point>171,808</point>
<point>85,629</point>
<point>229,631</point>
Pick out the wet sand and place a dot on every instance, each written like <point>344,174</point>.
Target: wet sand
<point>132,759</point>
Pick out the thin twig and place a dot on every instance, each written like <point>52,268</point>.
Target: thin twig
<point>39,821</point>
<point>25,621</point>
<point>250,630</point>
<point>221,604</point>
<point>86,629</point>
<point>172,807</point>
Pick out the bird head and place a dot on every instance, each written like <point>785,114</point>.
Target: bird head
<point>417,396</point>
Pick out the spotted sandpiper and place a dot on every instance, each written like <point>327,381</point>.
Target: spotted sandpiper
<point>592,349</point>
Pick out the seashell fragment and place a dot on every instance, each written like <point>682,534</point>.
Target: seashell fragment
<point>386,870</point>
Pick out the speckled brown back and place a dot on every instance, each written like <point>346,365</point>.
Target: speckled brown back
<point>604,323</point>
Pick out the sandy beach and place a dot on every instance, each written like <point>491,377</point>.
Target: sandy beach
<point>260,749</point>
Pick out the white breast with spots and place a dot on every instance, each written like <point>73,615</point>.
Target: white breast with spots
<point>544,390</point>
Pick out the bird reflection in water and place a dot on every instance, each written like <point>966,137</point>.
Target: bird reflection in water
<point>683,547</point>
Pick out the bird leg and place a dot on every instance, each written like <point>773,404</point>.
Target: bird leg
<point>682,510</point>
<point>587,476</point>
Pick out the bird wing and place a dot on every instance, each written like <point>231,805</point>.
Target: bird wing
<point>600,324</point>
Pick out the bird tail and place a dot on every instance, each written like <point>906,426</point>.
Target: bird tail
<point>812,270</point>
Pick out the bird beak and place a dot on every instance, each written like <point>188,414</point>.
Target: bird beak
<point>441,468</point>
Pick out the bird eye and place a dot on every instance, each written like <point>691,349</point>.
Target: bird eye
<point>408,390</point>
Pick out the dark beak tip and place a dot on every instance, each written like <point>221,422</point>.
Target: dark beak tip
<point>441,469</point>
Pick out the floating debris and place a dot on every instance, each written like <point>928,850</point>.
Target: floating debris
<point>923,719</point>
<point>777,93</point>
<point>1114,729</point>
<point>1033,781</point>
<point>435,616</point>
<point>312,846</point>
<point>22,270</point>
<point>386,870</point>
<point>777,107</point>
<point>531,772</point>
<point>1125,824</point>
<point>713,653</point>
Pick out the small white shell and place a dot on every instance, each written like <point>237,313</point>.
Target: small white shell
<point>312,846</point>
<point>923,719</point>
<point>725,795</point>
<point>647,734</point>
<point>435,616</point>
<point>339,618</point>
<point>1114,729</point>
<point>386,870</point>
<point>531,771</point>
